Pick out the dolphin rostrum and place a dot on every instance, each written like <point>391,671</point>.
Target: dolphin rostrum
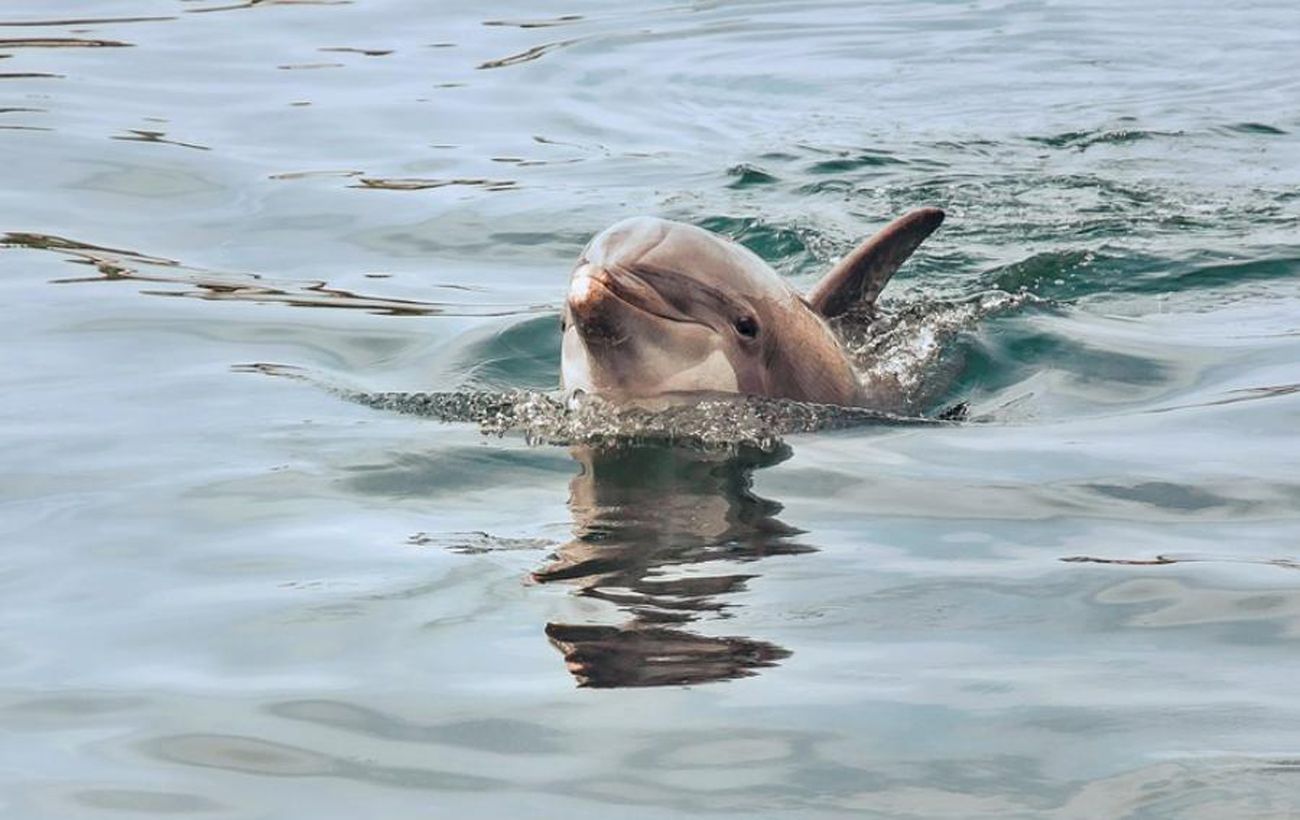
<point>658,307</point>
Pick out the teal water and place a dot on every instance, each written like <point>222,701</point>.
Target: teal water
<point>232,595</point>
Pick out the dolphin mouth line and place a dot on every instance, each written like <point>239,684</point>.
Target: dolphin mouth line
<point>611,282</point>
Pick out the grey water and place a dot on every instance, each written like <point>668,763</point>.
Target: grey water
<point>228,594</point>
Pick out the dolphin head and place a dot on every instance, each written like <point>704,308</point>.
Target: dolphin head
<point>658,307</point>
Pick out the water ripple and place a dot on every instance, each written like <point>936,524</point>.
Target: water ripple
<point>59,42</point>
<point>527,55</point>
<point>116,265</point>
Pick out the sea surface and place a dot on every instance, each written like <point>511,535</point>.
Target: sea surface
<point>293,527</point>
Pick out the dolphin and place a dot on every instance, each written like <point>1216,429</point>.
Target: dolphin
<point>657,307</point>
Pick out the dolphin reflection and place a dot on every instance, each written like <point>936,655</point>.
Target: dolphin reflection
<point>643,518</point>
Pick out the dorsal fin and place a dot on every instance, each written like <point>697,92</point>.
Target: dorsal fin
<point>862,275</point>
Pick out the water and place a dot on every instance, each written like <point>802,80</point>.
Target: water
<point>232,595</point>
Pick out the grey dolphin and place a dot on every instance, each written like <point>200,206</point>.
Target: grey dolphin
<point>658,307</point>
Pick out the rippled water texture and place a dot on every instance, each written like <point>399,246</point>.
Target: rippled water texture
<point>232,594</point>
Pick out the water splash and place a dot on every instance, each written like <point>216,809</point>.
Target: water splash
<point>897,354</point>
<point>703,421</point>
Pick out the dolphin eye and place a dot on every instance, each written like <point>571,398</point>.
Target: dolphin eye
<point>747,327</point>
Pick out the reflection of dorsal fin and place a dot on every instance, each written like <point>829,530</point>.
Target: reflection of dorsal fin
<point>861,276</point>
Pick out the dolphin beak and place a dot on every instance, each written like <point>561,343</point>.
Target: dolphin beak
<point>587,290</point>
<point>595,309</point>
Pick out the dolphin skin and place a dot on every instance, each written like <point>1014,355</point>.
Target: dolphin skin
<point>657,307</point>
